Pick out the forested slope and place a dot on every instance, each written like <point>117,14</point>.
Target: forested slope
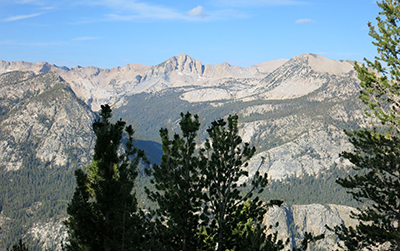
<point>46,129</point>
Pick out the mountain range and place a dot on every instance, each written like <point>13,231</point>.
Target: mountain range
<point>294,111</point>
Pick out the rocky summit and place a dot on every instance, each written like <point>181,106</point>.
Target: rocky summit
<point>293,111</point>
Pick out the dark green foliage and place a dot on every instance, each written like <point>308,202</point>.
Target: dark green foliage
<point>378,153</point>
<point>312,189</point>
<point>103,211</point>
<point>165,108</point>
<point>379,157</point>
<point>33,194</point>
<point>249,233</point>
<point>19,247</point>
<point>381,88</point>
<point>177,187</point>
<point>225,158</point>
<point>307,240</point>
<point>38,192</point>
<point>199,193</point>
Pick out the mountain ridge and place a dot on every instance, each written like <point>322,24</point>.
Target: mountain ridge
<point>97,86</point>
<point>293,111</point>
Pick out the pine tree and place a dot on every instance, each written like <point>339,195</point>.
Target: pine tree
<point>103,211</point>
<point>200,193</point>
<point>234,218</point>
<point>377,150</point>
<point>178,191</point>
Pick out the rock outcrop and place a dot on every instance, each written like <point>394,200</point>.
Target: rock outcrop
<point>42,118</point>
<point>293,221</point>
<point>294,111</point>
<point>98,86</point>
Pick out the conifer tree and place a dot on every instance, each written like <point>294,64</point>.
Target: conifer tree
<point>200,194</point>
<point>178,191</point>
<point>234,219</point>
<point>103,211</point>
<point>377,150</point>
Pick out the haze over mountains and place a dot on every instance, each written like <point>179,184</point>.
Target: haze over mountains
<point>294,111</point>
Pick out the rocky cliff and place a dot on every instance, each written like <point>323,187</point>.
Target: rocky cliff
<point>294,111</point>
<point>293,221</point>
<point>45,134</point>
<point>41,115</point>
<point>98,86</point>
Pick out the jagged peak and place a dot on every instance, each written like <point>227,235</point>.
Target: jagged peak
<point>45,67</point>
<point>182,59</point>
<point>184,56</point>
<point>181,63</point>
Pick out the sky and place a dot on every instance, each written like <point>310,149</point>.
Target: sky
<point>111,33</point>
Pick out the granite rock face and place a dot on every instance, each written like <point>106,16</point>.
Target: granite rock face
<point>49,235</point>
<point>97,86</point>
<point>293,221</point>
<point>294,111</point>
<point>42,118</point>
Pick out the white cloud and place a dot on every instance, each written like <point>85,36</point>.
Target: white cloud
<point>47,8</point>
<point>197,12</point>
<point>305,21</point>
<point>20,17</point>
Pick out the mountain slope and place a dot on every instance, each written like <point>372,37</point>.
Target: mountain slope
<point>98,86</point>
<point>294,112</point>
<point>39,114</point>
<point>304,74</point>
<point>295,116</point>
<point>45,135</point>
<point>93,85</point>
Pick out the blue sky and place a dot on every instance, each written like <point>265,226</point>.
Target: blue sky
<point>111,33</point>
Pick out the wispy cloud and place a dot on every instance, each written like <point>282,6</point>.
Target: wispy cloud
<point>28,43</point>
<point>197,12</point>
<point>85,38</point>
<point>41,43</point>
<point>20,17</point>
<point>37,4</point>
<point>305,21</point>
<point>133,10</point>
<point>128,10</point>
<point>47,8</point>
